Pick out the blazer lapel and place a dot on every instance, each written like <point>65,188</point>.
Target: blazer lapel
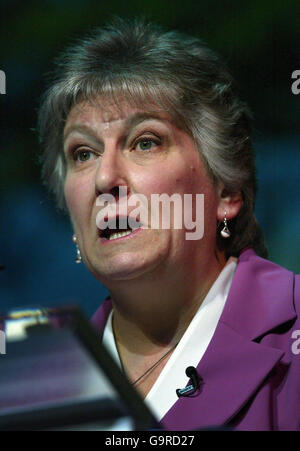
<point>232,368</point>
<point>235,364</point>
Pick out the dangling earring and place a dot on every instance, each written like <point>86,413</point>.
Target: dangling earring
<point>78,258</point>
<point>225,232</point>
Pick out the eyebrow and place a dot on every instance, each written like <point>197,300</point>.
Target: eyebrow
<point>130,122</point>
<point>137,118</point>
<point>84,129</point>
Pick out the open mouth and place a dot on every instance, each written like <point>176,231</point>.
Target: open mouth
<point>120,231</point>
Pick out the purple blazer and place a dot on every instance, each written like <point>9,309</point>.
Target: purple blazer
<point>251,368</point>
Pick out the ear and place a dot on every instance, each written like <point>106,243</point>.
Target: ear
<point>229,202</point>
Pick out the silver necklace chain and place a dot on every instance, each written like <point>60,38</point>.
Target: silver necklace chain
<point>154,365</point>
<point>151,367</point>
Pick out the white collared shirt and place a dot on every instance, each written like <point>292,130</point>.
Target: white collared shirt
<point>191,347</point>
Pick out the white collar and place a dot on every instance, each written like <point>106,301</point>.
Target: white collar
<point>191,347</point>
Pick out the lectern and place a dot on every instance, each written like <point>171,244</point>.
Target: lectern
<point>56,374</point>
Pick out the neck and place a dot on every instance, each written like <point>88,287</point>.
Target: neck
<point>154,312</point>
<point>151,316</point>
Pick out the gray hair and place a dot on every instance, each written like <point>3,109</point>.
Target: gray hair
<point>146,65</point>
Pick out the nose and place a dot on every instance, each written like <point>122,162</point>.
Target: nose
<point>110,173</point>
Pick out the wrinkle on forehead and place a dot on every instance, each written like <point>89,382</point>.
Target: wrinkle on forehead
<point>112,111</point>
<point>87,112</point>
<point>90,118</point>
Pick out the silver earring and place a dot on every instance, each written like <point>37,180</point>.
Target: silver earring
<point>78,258</point>
<point>225,232</point>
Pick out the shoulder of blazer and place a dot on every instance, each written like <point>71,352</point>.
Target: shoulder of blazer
<point>261,297</point>
<point>100,317</point>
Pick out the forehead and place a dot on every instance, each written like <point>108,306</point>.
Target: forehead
<point>106,114</point>
<point>103,115</point>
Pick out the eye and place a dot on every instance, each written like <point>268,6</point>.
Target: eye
<point>145,144</point>
<point>83,155</point>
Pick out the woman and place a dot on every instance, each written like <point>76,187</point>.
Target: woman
<point>136,111</point>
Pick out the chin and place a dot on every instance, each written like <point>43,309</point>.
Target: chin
<point>123,269</point>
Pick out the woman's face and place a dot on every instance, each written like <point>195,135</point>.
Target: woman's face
<point>146,153</point>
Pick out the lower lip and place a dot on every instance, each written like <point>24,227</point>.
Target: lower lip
<point>104,241</point>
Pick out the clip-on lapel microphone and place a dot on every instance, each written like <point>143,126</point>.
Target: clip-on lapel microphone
<point>193,387</point>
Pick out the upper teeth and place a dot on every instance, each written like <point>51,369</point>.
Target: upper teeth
<point>113,236</point>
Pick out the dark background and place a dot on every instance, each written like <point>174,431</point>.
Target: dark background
<point>260,42</point>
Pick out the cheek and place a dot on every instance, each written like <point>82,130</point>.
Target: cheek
<point>152,182</point>
<point>170,180</point>
<point>77,194</point>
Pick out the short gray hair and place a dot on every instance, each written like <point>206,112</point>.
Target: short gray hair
<point>144,64</point>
